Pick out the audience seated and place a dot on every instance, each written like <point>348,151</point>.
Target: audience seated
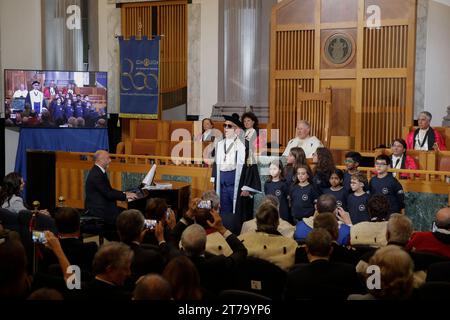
<point>67,221</point>
<point>266,242</point>
<point>325,203</point>
<point>152,287</point>
<point>184,279</point>
<point>146,259</point>
<point>340,253</point>
<point>372,233</point>
<point>111,268</point>
<point>46,294</point>
<point>284,227</point>
<point>321,279</point>
<point>396,275</point>
<point>216,271</point>
<point>436,241</point>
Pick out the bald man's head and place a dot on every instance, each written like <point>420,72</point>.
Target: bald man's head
<point>443,219</point>
<point>101,158</point>
<point>152,287</point>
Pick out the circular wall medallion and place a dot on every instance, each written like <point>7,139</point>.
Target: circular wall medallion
<point>339,49</point>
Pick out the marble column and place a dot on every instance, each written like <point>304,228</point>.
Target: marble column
<point>421,55</point>
<point>194,36</point>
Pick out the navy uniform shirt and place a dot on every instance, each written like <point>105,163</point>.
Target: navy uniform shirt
<point>302,201</point>
<point>357,207</point>
<point>280,190</point>
<point>321,182</point>
<point>341,197</point>
<point>391,188</point>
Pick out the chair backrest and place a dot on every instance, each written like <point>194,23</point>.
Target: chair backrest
<point>437,290</point>
<point>439,272</point>
<point>241,295</point>
<point>261,277</point>
<point>316,109</point>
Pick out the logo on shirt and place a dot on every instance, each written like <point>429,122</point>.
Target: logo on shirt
<point>339,203</point>
<point>362,208</point>
<point>400,192</point>
<point>318,181</point>
<point>385,191</point>
<point>305,197</point>
<point>278,193</point>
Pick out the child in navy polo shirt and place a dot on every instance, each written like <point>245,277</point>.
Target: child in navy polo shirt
<point>337,189</point>
<point>357,201</point>
<point>303,195</point>
<point>385,184</point>
<point>277,186</point>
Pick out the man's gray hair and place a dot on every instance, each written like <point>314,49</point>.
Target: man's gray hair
<point>427,114</point>
<point>130,224</point>
<point>152,287</point>
<point>399,228</point>
<point>213,197</point>
<point>112,254</point>
<point>193,240</point>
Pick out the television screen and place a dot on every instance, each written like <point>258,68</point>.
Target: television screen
<point>55,99</point>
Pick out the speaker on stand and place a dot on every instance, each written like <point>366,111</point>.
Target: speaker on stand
<point>41,178</point>
<point>114,132</point>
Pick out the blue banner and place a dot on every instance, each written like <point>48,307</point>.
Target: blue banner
<point>139,78</point>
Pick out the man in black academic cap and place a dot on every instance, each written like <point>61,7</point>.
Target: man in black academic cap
<point>230,158</point>
<point>36,98</point>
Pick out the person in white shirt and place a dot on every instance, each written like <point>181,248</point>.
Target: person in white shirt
<point>230,158</point>
<point>303,140</point>
<point>20,93</point>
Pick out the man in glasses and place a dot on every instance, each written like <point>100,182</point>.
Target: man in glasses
<point>308,143</point>
<point>230,158</point>
<point>385,184</point>
<point>425,137</point>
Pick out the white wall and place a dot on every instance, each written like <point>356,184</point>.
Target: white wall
<point>21,48</point>
<point>209,55</point>
<point>437,74</point>
<point>103,8</point>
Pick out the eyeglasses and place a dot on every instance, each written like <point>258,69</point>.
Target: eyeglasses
<point>349,161</point>
<point>228,126</point>
<point>380,164</point>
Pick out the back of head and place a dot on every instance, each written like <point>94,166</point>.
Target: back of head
<point>202,216</point>
<point>326,203</point>
<point>267,218</point>
<point>396,267</point>
<point>156,209</point>
<point>273,200</point>
<point>130,224</point>
<point>318,243</point>
<point>67,220</point>
<point>399,229</point>
<point>443,219</point>
<point>46,294</point>
<point>327,221</point>
<point>114,255</point>
<point>184,279</point>
<point>193,240</point>
<point>378,207</point>
<point>152,287</point>
<point>13,272</point>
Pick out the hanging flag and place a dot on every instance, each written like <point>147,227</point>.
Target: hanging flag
<point>139,78</point>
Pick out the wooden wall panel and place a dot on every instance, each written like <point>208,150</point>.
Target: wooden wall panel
<point>382,70</point>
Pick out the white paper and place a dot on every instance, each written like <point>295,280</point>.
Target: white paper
<point>245,188</point>
<point>148,180</point>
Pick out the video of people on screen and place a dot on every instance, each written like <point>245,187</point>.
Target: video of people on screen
<point>55,99</point>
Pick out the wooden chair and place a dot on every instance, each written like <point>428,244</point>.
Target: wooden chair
<point>316,109</point>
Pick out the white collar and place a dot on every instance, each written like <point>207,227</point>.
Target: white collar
<point>103,170</point>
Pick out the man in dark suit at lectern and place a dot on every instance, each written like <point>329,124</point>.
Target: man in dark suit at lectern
<point>100,196</point>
